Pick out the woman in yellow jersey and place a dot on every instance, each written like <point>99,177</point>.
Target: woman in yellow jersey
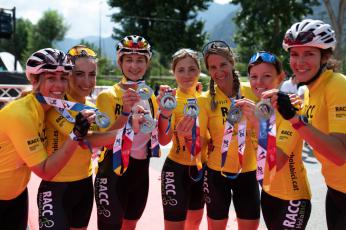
<point>181,187</point>
<point>122,180</point>
<point>231,166</point>
<point>71,190</point>
<point>310,44</point>
<point>285,198</point>
<point>23,140</point>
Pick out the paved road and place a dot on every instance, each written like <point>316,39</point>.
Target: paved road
<point>317,219</point>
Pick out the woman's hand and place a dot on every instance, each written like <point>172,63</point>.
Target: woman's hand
<point>130,98</point>
<point>162,91</point>
<point>184,126</point>
<point>248,109</point>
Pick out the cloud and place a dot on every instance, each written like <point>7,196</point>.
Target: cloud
<point>82,16</point>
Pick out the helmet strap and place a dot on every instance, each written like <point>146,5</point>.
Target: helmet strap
<point>314,78</point>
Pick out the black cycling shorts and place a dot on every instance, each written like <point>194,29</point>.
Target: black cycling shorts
<point>336,209</point>
<point>14,213</point>
<point>285,214</point>
<point>63,205</point>
<point>120,197</point>
<point>218,192</point>
<point>180,191</point>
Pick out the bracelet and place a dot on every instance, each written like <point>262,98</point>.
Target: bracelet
<point>125,114</point>
<point>164,117</point>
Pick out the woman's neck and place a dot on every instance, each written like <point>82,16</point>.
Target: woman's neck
<point>227,89</point>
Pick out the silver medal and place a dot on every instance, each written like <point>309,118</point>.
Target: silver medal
<point>168,101</point>
<point>144,91</point>
<point>234,115</point>
<point>148,125</point>
<point>191,109</point>
<point>264,110</point>
<point>102,120</point>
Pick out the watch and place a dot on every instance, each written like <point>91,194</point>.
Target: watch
<point>302,121</point>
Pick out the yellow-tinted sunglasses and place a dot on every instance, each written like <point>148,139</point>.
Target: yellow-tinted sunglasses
<point>81,51</point>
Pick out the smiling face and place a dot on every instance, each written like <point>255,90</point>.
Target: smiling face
<point>83,78</point>
<point>133,66</point>
<point>263,77</point>
<point>186,73</point>
<point>53,84</point>
<point>220,69</point>
<point>305,62</point>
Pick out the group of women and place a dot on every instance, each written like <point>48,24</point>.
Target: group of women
<point>227,143</point>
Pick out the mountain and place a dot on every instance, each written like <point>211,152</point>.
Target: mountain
<point>215,14</point>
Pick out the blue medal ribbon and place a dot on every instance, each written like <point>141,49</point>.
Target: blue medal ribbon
<point>102,120</point>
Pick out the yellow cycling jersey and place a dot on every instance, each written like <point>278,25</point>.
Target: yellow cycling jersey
<point>179,152</point>
<point>325,107</point>
<point>290,181</point>
<point>214,121</point>
<point>58,129</point>
<point>110,102</point>
<point>22,144</point>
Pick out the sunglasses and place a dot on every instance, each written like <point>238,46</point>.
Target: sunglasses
<point>264,57</point>
<point>135,45</point>
<point>215,45</point>
<point>182,52</point>
<point>302,38</point>
<point>81,51</point>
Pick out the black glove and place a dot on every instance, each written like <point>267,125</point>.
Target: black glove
<point>81,126</point>
<point>285,108</point>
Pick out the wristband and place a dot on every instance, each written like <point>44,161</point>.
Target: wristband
<point>125,114</point>
<point>164,117</point>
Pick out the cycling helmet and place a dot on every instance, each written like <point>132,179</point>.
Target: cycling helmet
<point>134,44</point>
<point>309,32</point>
<point>47,60</point>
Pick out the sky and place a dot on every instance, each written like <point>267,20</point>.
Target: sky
<point>82,16</point>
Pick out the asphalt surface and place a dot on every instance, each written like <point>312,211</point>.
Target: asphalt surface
<point>318,188</point>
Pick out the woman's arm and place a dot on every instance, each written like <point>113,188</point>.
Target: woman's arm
<point>55,162</point>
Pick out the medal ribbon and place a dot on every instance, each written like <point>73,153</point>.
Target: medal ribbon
<point>154,142</point>
<point>122,148</point>
<point>226,141</point>
<point>66,105</point>
<point>266,150</point>
<point>195,148</point>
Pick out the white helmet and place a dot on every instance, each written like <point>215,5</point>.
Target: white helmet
<point>134,44</point>
<point>309,32</point>
<point>47,60</point>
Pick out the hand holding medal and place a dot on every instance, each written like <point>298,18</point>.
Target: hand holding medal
<point>144,91</point>
<point>167,100</point>
<point>264,109</point>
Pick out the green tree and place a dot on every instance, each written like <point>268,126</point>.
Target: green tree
<point>48,30</point>
<point>168,25</point>
<point>262,24</point>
